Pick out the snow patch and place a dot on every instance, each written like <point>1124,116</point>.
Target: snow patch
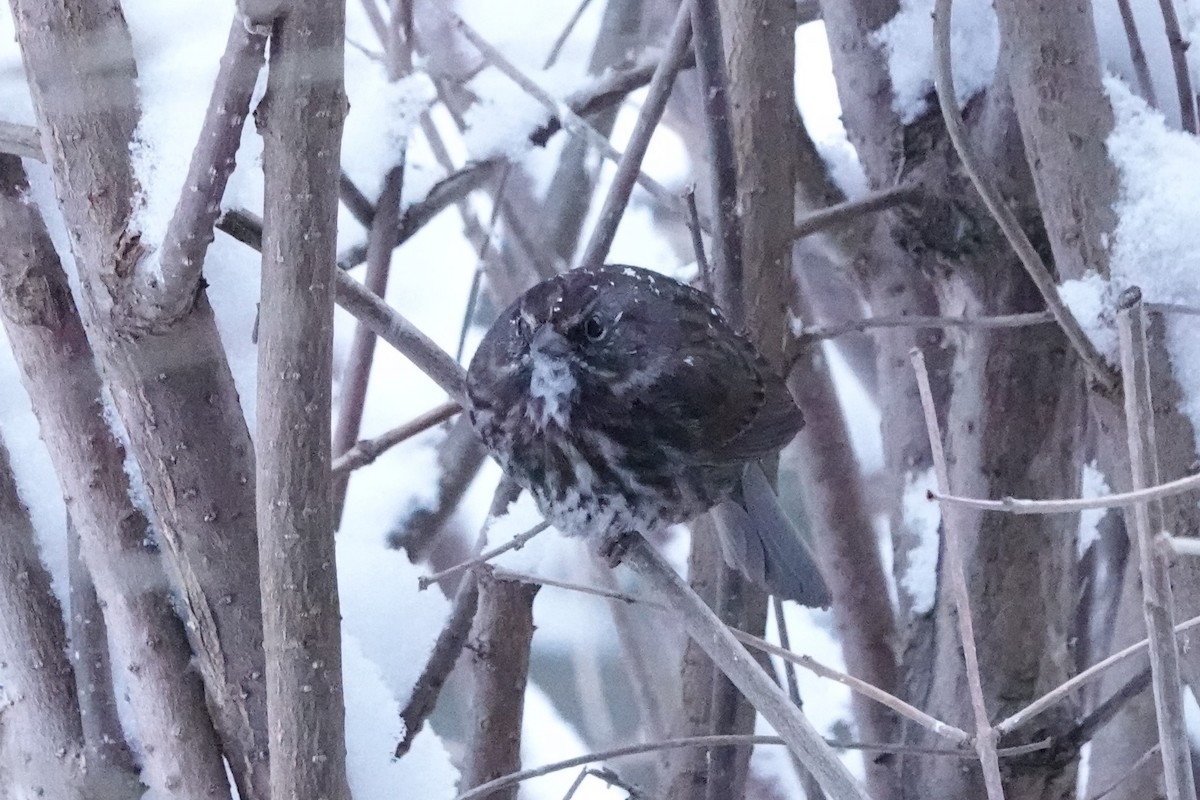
<point>1093,302</point>
<point>1156,242</point>
<point>908,41</point>
<point>923,517</point>
<point>1093,484</point>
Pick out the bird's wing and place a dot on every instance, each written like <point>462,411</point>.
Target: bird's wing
<point>725,403</point>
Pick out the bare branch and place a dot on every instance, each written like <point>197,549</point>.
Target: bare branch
<point>21,140</point>
<point>573,122</point>
<point>1059,692</point>
<point>985,735</point>
<point>733,659</point>
<point>357,375</point>
<point>857,686</point>
<point>355,201</point>
<point>366,451</point>
<point>1004,215</point>
<point>173,391</point>
<point>1014,505</point>
<point>1183,80</point>
<point>734,740</point>
<point>442,658</point>
<point>394,329</point>
<point>165,693</point>
<point>1137,53</point>
<point>301,124</point>
<point>708,44</point>
<point>596,250</point>
<point>1158,605</point>
<point>516,543</point>
<point>843,213</point>
<point>191,228</point>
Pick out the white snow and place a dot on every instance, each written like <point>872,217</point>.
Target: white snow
<point>817,98</point>
<point>1157,243</point>
<point>1093,484</point>
<point>923,517</point>
<point>175,79</point>
<point>1093,302</point>
<point>907,39</point>
<point>372,729</point>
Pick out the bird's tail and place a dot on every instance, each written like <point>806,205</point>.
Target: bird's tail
<point>759,541</point>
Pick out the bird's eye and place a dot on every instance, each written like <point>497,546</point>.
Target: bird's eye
<point>593,328</point>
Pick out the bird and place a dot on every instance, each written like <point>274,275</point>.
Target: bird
<point>624,402</point>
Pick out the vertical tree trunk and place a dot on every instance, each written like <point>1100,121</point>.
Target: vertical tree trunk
<point>301,122</point>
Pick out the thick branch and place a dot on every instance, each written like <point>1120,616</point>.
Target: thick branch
<point>41,719</point>
<point>499,644</point>
<point>190,231</point>
<point>173,391</point>
<point>301,123</point>
<point>47,338</point>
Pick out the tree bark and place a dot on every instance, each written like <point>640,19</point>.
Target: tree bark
<point>301,122</point>
<point>171,386</point>
<point>499,647</point>
<point>41,720</point>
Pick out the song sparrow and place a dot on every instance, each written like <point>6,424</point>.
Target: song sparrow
<point>625,402</point>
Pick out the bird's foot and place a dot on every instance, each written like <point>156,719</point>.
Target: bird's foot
<point>613,547</point>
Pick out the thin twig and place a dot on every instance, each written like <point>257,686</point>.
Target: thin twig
<point>985,735</point>
<point>571,121</point>
<point>850,210</point>
<point>516,543</point>
<point>1138,54</point>
<point>565,34</point>
<point>1158,604</point>
<point>1183,80</point>
<point>1142,761</point>
<point>629,167</point>
<point>1062,690</point>
<point>1005,218</point>
<point>902,708</point>
<point>876,323</point>
<point>524,577</point>
<point>1015,505</point>
<point>365,451</point>
<point>356,377</point>
<point>702,265</point>
<point>725,740</point>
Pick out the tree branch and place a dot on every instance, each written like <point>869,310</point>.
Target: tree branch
<point>985,735</point>
<point>301,124</point>
<point>42,723</point>
<point>732,659</point>
<point>629,167</point>
<point>173,391</point>
<point>190,230</point>
<point>1005,218</point>
<point>1149,524</point>
<point>165,693</point>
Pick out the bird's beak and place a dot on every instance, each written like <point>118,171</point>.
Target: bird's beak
<point>549,342</point>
